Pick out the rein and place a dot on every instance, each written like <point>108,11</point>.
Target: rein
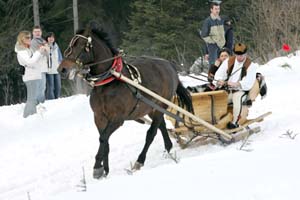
<point>102,61</point>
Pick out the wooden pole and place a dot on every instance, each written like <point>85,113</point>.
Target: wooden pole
<point>172,105</point>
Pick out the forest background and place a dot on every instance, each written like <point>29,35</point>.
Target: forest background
<point>163,28</point>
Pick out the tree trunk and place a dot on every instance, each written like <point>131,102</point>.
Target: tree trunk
<point>75,15</point>
<point>36,15</point>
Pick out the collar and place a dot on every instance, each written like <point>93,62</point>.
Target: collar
<point>215,17</point>
<point>117,66</point>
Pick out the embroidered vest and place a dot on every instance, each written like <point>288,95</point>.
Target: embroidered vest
<point>231,61</point>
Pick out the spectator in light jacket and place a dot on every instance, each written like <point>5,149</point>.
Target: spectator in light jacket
<point>53,77</point>
<point>36,42</point>
<point>32,75</point>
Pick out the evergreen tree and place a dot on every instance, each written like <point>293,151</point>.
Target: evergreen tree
<point>14,18</point>
<point>163,28</point>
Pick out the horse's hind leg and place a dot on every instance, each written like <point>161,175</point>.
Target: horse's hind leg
<point>101,165</point>
<point>165,134</point>
<point>156,121</point>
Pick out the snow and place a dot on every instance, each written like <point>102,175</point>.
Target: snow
<point>43,156</point>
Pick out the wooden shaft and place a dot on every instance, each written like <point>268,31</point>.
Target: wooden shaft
<point>172,105</point>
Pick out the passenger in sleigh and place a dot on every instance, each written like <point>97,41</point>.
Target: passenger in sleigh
<point>238,76</point>
<point>223,54</point>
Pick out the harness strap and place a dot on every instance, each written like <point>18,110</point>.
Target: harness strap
<point>107,77</point>
<point>147,101</point>
<point>134,73</point>
<point>157,107</point>
<point>212,110</point>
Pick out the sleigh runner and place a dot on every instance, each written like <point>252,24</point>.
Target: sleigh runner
<point>212,107</point>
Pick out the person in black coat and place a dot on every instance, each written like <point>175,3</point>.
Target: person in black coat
<point>223,54</point>
<point>228,33</point>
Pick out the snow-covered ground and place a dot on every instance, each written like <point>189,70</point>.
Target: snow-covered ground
<point>44,156</point>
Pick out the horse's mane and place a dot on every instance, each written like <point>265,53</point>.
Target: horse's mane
<point>101,34</point>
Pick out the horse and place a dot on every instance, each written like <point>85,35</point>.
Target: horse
<point>91,54</point>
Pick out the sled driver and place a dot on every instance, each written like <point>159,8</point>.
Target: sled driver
<point>237,74</point>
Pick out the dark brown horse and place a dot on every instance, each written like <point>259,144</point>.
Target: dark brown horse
<point>90,52</point>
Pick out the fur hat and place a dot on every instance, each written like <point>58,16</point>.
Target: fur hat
<point>216,2</point>
<point>240,49</point>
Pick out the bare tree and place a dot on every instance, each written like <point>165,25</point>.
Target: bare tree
<point>75,15</point>
<point>269,24</point>
<point>36,14</point>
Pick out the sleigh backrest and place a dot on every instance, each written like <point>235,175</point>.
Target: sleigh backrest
<point>209,106</point>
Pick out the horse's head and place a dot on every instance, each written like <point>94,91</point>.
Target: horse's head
<point>87,53</point>
<point>77,55</point>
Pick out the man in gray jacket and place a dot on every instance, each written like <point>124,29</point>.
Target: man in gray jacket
<point>36,42</point>
<point>213,32</point>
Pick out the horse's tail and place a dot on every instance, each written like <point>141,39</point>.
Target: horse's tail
<point>184,98</point>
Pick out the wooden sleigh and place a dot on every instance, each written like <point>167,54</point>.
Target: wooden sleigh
<point>213,108</point>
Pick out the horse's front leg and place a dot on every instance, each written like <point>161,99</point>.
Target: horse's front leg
<point>101,167</point>
<point>99,164</point>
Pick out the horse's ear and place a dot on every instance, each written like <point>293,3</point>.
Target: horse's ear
<point>94,25</point>
<point>91,27</point>
<point>87,30</point>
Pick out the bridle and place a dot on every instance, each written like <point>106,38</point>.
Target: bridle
<point>88,48</point>
<point>84,68</point>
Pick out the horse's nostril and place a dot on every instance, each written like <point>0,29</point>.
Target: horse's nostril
<point>63,71</point>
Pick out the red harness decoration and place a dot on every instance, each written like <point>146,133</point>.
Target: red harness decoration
<point>117,66</point>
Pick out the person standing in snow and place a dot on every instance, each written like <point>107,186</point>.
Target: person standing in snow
<point>32,75</point>
<point>36,42</point>
<point>213,32</point>
<point>228,33</point>
<point>53,77</point>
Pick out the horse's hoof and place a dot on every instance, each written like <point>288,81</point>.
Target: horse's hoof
<point>98,173</point>
<point>137,166</point>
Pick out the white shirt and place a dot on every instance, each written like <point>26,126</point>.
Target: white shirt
<point>246,83</point>
<point>29,60</point>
